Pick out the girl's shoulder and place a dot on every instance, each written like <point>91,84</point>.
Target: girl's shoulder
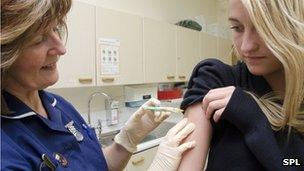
<point>219,72</point>
<point>216,65</point>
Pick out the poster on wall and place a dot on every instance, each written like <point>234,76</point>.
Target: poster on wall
<point>109,55</point>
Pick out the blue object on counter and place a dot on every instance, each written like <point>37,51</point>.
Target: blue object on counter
<point>135,104</point>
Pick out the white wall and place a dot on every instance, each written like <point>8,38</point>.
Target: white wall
<point>222,12</point>
<point>165,10</point>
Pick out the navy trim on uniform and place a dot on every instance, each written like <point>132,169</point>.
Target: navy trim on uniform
<point>21,110</point>
<point>20,116</point>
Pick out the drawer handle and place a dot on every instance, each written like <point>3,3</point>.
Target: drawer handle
<point>138,161</point>
<point>170,77</point>
<point>182,77</point>
<point>85,80</point>
<point>109,79</point>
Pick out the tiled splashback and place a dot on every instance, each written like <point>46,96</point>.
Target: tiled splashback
<point>79,97</point>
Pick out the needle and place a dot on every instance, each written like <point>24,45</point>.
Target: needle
<point>158,108</point>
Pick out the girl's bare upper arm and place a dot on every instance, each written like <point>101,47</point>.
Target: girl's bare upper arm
<point>195,158</point>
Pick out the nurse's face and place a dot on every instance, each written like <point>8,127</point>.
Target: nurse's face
<point>253,50</point>
<point>35,68</point>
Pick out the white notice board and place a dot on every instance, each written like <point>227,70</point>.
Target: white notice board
<point>109,55</point>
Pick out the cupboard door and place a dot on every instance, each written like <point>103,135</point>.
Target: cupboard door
<point>77,67</point>
<point>215,47</point>
<point>159,51</point>
<point>187,52</point>
<point>224,48</point>
<point>208,46</point>
<point>126,29</point>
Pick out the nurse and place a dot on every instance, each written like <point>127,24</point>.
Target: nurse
<point>41,130</point>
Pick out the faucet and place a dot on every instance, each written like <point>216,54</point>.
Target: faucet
<point>99,129</point>
<point>108,98</point>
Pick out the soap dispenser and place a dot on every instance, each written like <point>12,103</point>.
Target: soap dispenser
<point>111,111</point>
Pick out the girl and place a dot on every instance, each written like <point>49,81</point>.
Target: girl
<point>251,115</point>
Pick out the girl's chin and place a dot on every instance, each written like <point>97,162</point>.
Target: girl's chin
<point>257,71</point>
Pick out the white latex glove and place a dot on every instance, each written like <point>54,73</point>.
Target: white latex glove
<point>169,154</point>
<point>139,125</point>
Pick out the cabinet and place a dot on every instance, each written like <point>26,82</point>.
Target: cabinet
<point>224,48</point>
<point>208,45</point>
<point>188,43</point>
<point>215,47</point>
<point>127,30</point>
<point>170,52</point>
<point>141,161</point>
<point>77,67</point>
<point>150,51</point>
<point>159,51</point>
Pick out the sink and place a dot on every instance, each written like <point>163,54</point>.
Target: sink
<point>108,138</point>
<point>162,129</point>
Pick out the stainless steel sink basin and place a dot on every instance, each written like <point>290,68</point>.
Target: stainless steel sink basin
<point>108,138</point>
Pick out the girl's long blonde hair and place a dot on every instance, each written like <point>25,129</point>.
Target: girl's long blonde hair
<point>280,24</point>
<point>20,21</point>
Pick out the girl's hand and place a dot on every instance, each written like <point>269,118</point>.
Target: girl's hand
<point>216,100</point>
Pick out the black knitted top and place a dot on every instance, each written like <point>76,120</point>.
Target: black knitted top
<point>243,138</point>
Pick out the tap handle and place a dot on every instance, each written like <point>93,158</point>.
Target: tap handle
<point>99,129</point>
<point>99,124</point>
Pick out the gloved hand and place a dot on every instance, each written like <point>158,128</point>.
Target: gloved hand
<point>169,154</point>
<point>139,125</point>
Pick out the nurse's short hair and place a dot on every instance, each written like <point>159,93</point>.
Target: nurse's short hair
<point>21,20</point>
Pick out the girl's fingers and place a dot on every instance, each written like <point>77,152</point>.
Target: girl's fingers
<point>217,115</point>
<point>215,105</point>
<point>212,95</point>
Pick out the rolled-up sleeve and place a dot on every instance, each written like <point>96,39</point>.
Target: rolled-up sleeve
<point>208,74</point>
